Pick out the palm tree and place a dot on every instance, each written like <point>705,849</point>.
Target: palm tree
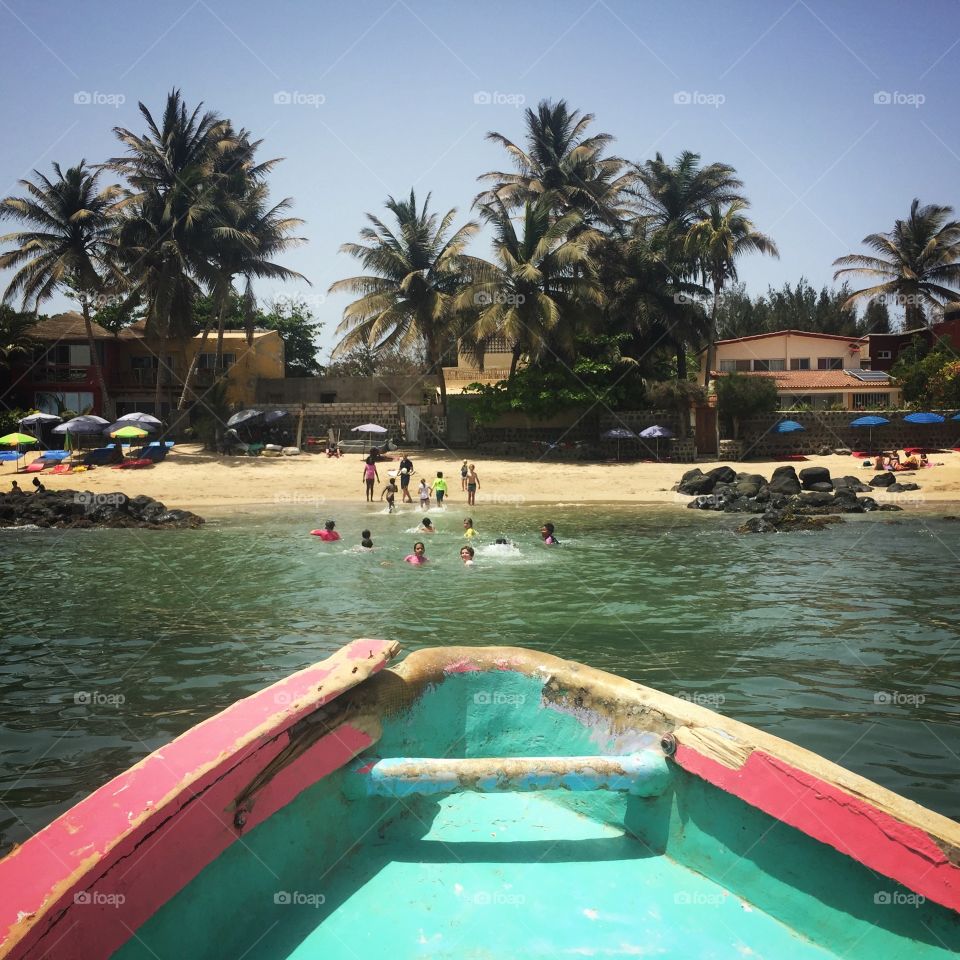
<point>670,198</point>
<point>245,233</point>
<point>717,241</point>
<point>917,263</point>
<point>561,161</point>
<point>15,339</point>
<point>164,236</point>
<point>541,292</point>
<point>69,244</point>
<point>416,269</point>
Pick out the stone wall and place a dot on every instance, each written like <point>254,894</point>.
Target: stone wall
<point>320,417</point>
<point>831,428</point>
<point>378,389</point>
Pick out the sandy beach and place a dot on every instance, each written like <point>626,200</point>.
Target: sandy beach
<point>193,479</point>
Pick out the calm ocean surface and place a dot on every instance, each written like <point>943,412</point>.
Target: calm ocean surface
<point>845,641</point>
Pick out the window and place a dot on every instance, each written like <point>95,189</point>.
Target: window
<point>79,355</point>
<point>799,363</point>
<point>884,355</point>
<point>769,365</point>
<point>829,363</point>
<point>871,401</point>
<point>795,401</point>
<point>79,402</point>
<point>385,396</point>
<point>728,366</point>
<point>208,361</point>
<point>328,398</point>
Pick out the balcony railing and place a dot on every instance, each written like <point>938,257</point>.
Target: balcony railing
<point>61,373</point>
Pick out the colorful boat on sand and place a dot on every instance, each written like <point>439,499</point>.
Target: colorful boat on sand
<point>481,802</point>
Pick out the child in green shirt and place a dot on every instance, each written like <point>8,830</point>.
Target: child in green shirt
<point>439,488</point>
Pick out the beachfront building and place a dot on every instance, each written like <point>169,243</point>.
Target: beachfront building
<point>246,364</point>
<point>816,371</point>
<point>885,348</point>
<point>59,374</point>
<point>460,370</point>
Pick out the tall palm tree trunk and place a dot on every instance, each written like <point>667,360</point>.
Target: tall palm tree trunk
<point>161,363</point>
<point>712,336</point>
<point>95,360</point>
<point>681,360</point>
<point>514,360</point>
<point>195,361</point>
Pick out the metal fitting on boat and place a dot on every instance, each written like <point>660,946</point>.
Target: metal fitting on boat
<point>668,743</point>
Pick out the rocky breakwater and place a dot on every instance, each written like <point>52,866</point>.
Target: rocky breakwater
<point>809,500</point>
<point>80,509</point>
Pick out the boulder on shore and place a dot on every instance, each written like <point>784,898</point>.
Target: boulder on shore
<point>81,509</point>
<point>695,482</point>
<point>811,475</point>
<point>784,481</point>
<point>883,480</point>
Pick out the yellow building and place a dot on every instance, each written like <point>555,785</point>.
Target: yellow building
<point>140,365</point>
<point>496,366</point>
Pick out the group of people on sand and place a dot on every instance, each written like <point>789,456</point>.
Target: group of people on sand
<point>329,534</point>
<point>438,490</point>
<point>891,461</point>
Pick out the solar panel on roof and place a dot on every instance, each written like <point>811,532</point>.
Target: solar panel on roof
<point>869,376</point>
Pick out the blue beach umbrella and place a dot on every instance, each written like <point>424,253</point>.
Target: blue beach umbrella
<point>870,421</point>
<point>788,426</point>
<point>924,418</point>
<point>618,434</point>
<point>956,416</point>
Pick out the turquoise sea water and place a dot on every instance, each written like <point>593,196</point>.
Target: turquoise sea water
<point>845,641</point>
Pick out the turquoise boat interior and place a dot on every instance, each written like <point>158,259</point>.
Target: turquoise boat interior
<point>691,872</point>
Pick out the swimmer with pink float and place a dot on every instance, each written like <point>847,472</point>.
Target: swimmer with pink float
<point>419,554</point>
<point>327,534</point>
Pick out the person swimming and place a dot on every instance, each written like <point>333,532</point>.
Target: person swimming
<point>365,542</point>
<point>426,526</point>
<point>546,534</point>
<point>327,534</point>
<point>466,555</point>
<point>468,530</point>
<point>419,554</point>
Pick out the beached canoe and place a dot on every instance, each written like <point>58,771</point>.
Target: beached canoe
<point>481,802</point>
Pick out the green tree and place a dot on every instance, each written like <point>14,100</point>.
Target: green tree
<point>415,272</point>
<point>298,328</point>
<point>740,397</point>
<point>164,235</point>
<point>540,293</point>
<point>927,374</point>
<point>876,318</point>
<point>15,339</point>
<point>560,161</point>
<point>68,246</point>
<point>917,264</point>
<point>716,241</point>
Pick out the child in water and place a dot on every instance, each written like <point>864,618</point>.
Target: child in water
<point>390,492</point>
<point>426,526</point>
<point>466,555</point>
<point>424,495</point>
<point>419,554</point>
<point>468,530</point>
<point>546,534</point>
<point>366,543</point>
<point>327,534</point>
<point>439,488</point>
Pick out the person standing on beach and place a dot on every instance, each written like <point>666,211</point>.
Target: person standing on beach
<point>405,468</point>
<point>464,470</point>
<point>369,475</point>
<point>473,484</point>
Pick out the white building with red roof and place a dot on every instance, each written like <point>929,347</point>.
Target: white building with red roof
<point>818,371</point>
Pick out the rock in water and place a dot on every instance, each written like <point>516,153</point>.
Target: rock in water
<point>695,482</point>
<point>786,523</point>
<point>82,509</point>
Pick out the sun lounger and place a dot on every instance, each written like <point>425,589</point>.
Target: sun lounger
<point>152,453</point>
<point>62,468</point>
<point>99,457</point>
<point>138,464</point>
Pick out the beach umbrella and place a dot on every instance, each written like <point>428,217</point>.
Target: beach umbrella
<point>656,432</point>
<point>37,419</point>
<point>127,431</point>
<point>272,416</point>
<point>120,424</point>
<point>145,420</point>
<point>924,418</point>
<point>788,426</point>
<point>870,421</point>
<point>88,423</point>
<point>243,416</point>
<point>17,440</point>
<point>618,434</point>
<point>369,428</point>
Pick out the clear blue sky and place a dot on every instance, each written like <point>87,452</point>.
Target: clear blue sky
<point>784,91</point>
